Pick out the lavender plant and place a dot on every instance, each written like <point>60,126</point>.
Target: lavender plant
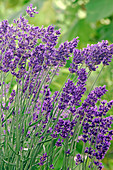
<point>39,130</point>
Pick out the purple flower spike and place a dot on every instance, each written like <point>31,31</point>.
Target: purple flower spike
<point>59,142</point>
<point>31,11</point>
<point>51,166</point>
<point>43,159</point>
<point>78,159</point>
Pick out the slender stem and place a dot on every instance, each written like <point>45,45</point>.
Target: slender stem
<point>65,154</point>
<point>17,130</point>
<point>83,154</point>
<point>96,79</point>
<point>1,89</point>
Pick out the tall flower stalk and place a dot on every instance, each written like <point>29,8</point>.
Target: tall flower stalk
<point>39,130</point>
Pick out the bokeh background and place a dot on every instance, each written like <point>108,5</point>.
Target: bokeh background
<point>90,20</point>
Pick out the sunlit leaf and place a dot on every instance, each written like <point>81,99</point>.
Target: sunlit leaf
<point>98,9</point>
<point>81,29</point>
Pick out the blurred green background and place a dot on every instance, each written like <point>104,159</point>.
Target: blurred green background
<point>91,20</point>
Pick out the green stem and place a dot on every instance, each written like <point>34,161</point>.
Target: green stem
<point>17,131</point>
<point>96,79</point>
<point>65,154</point>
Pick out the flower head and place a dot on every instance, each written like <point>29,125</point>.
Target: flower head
<point>31,11</point>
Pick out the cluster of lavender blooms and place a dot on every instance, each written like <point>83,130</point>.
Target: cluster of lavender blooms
<point>50,126</point>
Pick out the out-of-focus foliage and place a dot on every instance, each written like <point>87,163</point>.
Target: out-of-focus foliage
<point>90,20</point>
<point>97,10</point>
